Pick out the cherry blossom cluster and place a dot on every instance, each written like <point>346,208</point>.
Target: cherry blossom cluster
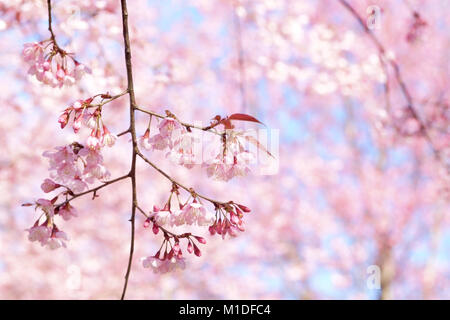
<point>173,137</point>
<point>226,159</point>
<point>228,219</point>
<point>233,159</point>
<point>51,65</point>
<point>100,136</point>
<point>191,212</point>
<point>47,233</point>
<point>75,166</point>
<point>170,255</point>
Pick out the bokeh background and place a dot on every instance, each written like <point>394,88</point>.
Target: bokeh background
<point>358,183</point>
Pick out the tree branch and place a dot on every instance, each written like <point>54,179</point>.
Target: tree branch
<point>49,8</point>
<point>132,174</point>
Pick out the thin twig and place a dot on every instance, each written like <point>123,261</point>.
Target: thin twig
<point>190,190</point>
<point>101,104</point>
<point>184,124</point>
<point>92,190</point>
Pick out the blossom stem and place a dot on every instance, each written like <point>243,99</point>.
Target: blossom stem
<point>92,190</point>
<point>186,125</point>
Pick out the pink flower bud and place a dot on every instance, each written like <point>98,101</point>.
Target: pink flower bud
<point>200,239</point>
<point>170,255</point>
<point>190,247</point>
<point>76,125</point>
<point>48,185</point>
<point>244,208</point>
<point>176,247</point>
<point>155,228</point>
<point>197,251</point>
<point>63,119</point>
<point>234,219</point>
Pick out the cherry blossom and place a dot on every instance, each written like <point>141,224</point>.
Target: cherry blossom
<point>57,239</point>
<point>163,266</point>
<point>51,65</point>
<point>48,185</point>
<point>67,211</point>
<point>39,233</point>
<point>195,213</point>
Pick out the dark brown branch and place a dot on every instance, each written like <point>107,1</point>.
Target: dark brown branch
<point>132,174</point>
<point>49,8</point>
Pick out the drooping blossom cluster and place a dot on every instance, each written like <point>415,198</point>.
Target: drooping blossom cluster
<point>173,138</point>
<point>51,65</point>
<point>227,158</point>
<point>190,212</point>
<point>75,166</point>
<point>72,168</point>
<point>169,257</point>
<point>227,220</point>
<point>47,233</point>
<point>100,136</point>
<point>233,159</point>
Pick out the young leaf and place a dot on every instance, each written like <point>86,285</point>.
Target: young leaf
<point>244,117</point>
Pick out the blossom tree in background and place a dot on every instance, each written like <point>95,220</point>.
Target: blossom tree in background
<point>358,89</point>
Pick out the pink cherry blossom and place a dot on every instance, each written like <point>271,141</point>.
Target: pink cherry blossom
<point>46,206</point>
<point>49,185</point>
<point>94,140</point>
<point>57,239</point>
<point>196,213</point>
<point>39,233</point>
<point>170,129</point>
<point>52,65</point>
<point>108,139</point>
<point>67,212</point>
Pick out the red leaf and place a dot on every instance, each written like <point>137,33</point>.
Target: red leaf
<point>244,117</point>
<point>227,123</point>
